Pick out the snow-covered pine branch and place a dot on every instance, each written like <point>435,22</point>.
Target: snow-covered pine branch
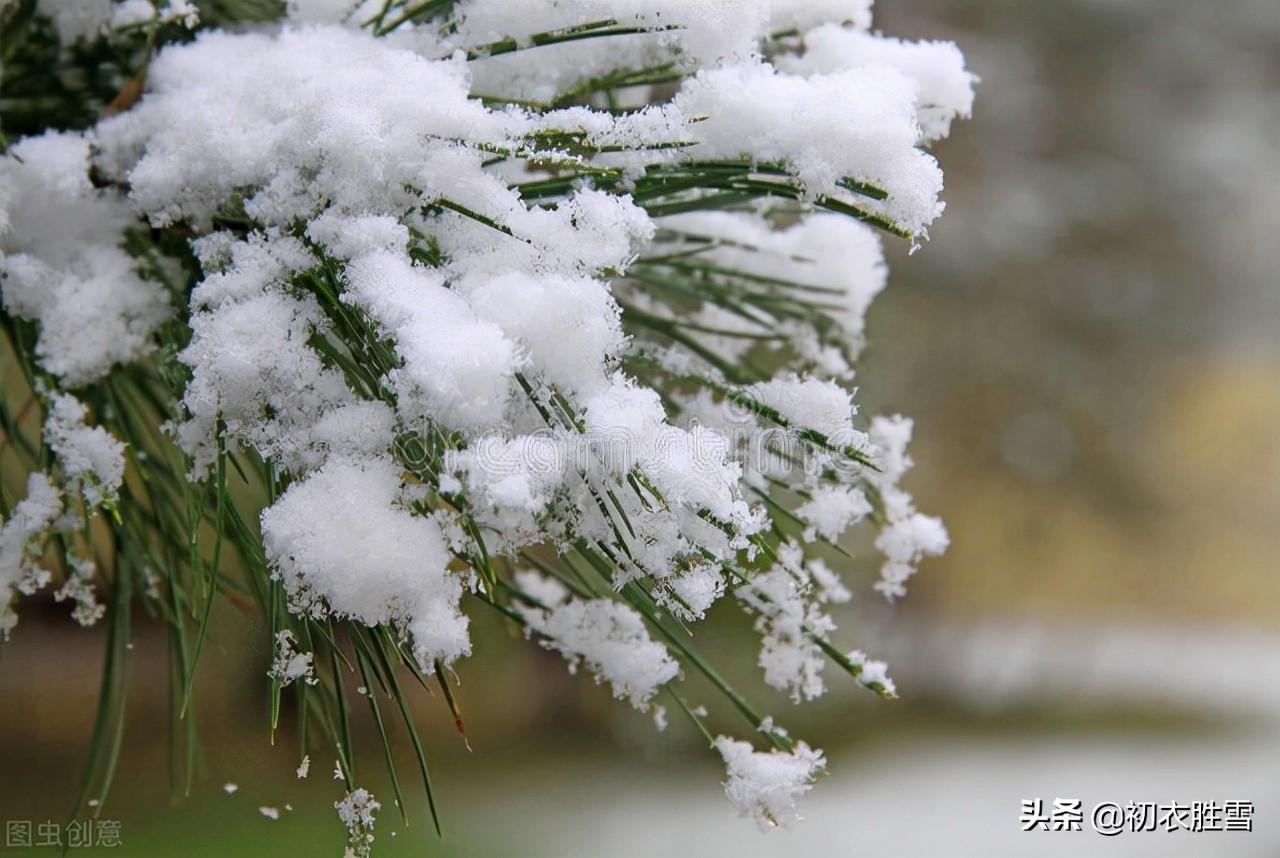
<point>546,308</point>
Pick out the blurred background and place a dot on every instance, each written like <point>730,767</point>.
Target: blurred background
<point>1090,346</point>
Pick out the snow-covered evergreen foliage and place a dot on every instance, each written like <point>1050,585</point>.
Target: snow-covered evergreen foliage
<point>399,310</point>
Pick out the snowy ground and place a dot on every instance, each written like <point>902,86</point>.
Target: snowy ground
<point>949,787</point>
<point>951,797</point>
<point>955,795</point>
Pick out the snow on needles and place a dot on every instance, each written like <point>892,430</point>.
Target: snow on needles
<point>765,785</point>
<point>609,636</point>
<point>463,312</point>
<point>92,460</point>
<point>944,89</point>
<point>344,541</point>
<point>62,265</point>
<point>21,545</point>
<point>824,135</point>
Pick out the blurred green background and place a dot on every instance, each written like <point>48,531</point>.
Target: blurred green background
<point>1090,345</point>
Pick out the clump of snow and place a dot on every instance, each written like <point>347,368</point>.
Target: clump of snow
<point>626,425</point>
<point>830,587</point>
<point>290,665</point>
<point>457,368</point>
<point>609,636</point>
<point>343,541</point>
<point>510,482</point>
<point>858,124</point>
<point>907,535</point>
<point>252,368</point>
<point>78,587</point>
<point>694,591</point>
<point>349,236</point>
<point>873,674</point>
<point>21,544</point>
<point>831,510</point>
<point>944,89</point>
<point>813,403</point>
<point>326,131</point>
<point>92,459</point>
<point>789,623</point>
<point>356,811</point>
<point>61,263</point>
<point>569,327</point>
<point>765,785</point>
